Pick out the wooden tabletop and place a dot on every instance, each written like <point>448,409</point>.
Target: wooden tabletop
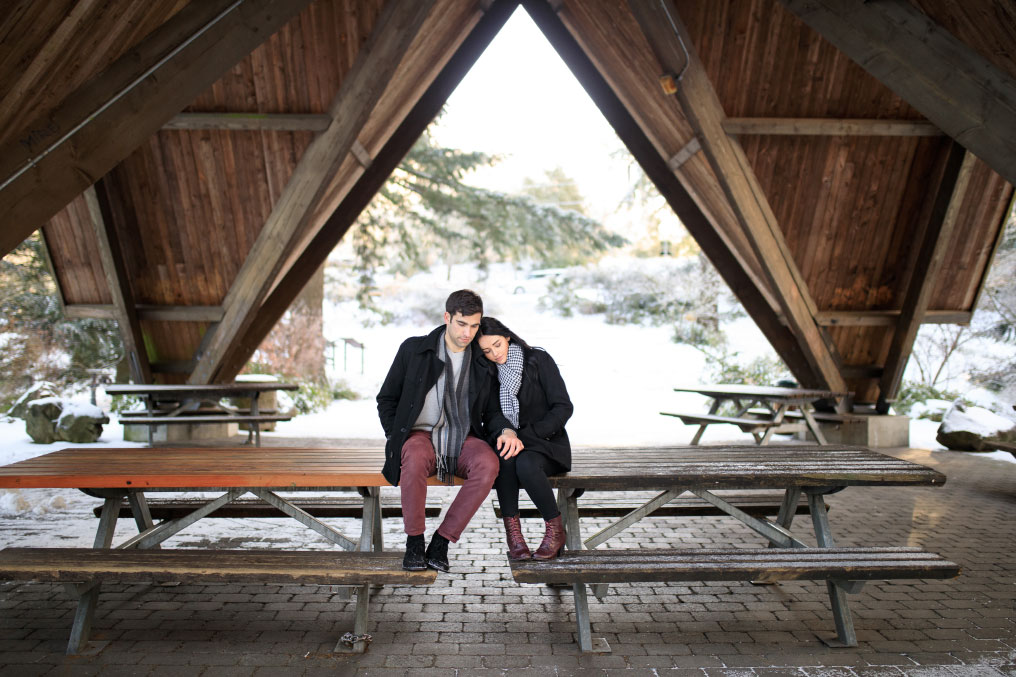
<point>732,390</point>
<point>614,469</point>
<point>220,389</point>
<point>207,467</point>
<point>737,467</point>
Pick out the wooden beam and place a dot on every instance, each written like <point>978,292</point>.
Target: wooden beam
<point>957,89</point>
<point>360,90</point>
<point>934,246</point>
<point>111,256</point>
<point>669,39</point>
<point>279,122</point>
<point>829,127</point>
<point>887,318</point>
<point>684,205</point>
<point>147,312</point>
<point>374,176</point>
<point>173,367</point>
<point>60,154</point>
<point>857,372</point>
<point>48,259</point>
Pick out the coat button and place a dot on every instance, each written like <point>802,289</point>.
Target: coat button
<point>402,430</point>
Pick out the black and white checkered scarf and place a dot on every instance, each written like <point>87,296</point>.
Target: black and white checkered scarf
<point>453,400</point>
<point>510,376</point>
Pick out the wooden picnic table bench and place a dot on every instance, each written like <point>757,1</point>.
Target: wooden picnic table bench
<point>707,473</point>
<point>755,503</point>
<point>114,473</point>
<point>200,404</point>
<point>348,506</point>
<point>759,410</point>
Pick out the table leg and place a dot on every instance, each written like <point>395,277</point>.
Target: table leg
<point>702,427</point>
<point>142,516</point>
<point>150,406</point>
<point>89,593</point>
<point>360,639</point>
<point>568,505</point>
<point>813,425</point>
<point>781,410</point>
<point>255,426</point>
<point>837,595</point>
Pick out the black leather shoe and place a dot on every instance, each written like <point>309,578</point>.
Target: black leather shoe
<point>437,553</point>
<point>414,559</point>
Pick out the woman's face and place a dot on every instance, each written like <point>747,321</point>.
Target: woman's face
<point>494,347</point>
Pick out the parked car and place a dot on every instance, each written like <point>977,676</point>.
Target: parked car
<point>536,280</point>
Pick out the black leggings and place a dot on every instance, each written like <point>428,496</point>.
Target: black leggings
<point>529,470</point>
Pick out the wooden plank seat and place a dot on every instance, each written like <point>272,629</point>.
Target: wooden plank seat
<point>999,445</point>
<point>130,415</point>
<point>86,569</point>
<point>206,418</point>
<point>316,506</point>
<point>823,416</point>
<point>759,565</point>
<point>844,569</point>
<point>748,425</point>
<point>328,567</point>
<point>755,503</point>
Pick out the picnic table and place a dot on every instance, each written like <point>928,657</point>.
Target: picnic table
<point>194,404</point>
<point>116,473</point>
<point>759,410</point>
<point>708,473</point>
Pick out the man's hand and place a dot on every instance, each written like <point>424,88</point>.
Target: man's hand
<point>509,444</point>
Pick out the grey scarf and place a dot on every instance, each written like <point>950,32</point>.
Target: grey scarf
<point>453,424</point>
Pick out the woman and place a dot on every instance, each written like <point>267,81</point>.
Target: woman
<point>531,441</point>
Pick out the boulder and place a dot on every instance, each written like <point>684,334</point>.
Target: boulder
<point>967,428</point>
<point>39,390</point>
<point>52,419</point>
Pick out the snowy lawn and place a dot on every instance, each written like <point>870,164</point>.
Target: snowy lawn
<point>619,378</point>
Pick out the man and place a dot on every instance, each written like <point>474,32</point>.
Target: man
<point>431,406</point>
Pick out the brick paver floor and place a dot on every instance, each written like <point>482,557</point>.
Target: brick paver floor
<point>477,621</point>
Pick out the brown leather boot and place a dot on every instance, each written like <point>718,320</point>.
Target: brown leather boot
<point>553,540</point>
<point>517,548</point>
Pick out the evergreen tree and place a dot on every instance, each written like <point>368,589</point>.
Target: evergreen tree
<point>426,206</point>
<point>36,341</point>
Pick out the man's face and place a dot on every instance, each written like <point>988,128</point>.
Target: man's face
<point>461,329</point>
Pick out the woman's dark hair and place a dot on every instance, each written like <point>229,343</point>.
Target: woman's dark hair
<point>491,326</point>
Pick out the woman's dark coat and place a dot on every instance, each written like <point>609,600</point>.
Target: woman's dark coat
<point>544,408</point>
<point>413,373</point>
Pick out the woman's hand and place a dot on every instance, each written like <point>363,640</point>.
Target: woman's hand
<point>509,444</point>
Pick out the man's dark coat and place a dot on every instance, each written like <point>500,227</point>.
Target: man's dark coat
<point>413,373</point>
<point>544,408</point>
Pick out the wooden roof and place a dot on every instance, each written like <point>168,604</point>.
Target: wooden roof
<point>847,167</point>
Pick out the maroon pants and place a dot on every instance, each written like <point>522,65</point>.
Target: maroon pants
<point>477,465</point>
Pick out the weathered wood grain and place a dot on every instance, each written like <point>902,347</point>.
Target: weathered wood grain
<point>762,565</point>
<point>209,566</point>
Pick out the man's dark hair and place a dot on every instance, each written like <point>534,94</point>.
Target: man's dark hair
<point>465,302</point>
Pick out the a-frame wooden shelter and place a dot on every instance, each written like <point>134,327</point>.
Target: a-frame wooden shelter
<point>847,166</point>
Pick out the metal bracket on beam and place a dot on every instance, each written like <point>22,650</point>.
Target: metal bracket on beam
<point>361,154</point>
<point>684,154</point>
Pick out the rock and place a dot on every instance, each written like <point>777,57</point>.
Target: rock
<point>39,390</point>
<point>52,419</point>
<point>967,428</point>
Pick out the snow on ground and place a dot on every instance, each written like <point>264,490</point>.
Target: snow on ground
<point>619,378</point>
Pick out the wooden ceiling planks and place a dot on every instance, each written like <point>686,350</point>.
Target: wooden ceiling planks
<point>850,208</point>
<point>51,48</point>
